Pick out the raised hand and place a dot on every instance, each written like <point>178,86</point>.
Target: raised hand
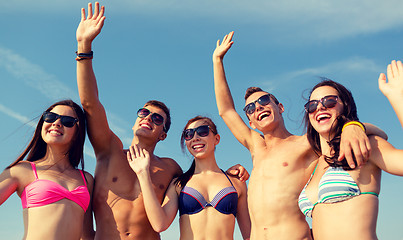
<point>394,85</point>
<point>139,159</point>
<point>90,25</point>
<point>222,49</point>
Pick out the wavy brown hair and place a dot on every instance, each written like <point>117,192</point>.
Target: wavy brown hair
<point>349,113</point>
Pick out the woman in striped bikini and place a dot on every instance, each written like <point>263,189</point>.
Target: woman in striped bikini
<point>336,196</point>
<point>208,199</point>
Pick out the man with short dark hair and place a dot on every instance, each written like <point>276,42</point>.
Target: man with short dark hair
<point>117,202</point>
<point>282,162</point>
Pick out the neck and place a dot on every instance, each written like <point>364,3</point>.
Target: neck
<point>57,158</point>
<point>277,134</point>
<point>144,143</point>
<point>206,165</point>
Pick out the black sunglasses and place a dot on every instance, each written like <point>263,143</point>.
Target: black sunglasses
<point>202,131</point>
<point>155,117</point>
<point>251,107</point>
<point>66,121</point>
<point>329,101</point>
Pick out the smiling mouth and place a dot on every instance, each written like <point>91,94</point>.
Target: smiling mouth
<point>198,146</point>
<point>322,117</point>
<point>144,125</point>
<point>263,115</point>
<point>55,132</point>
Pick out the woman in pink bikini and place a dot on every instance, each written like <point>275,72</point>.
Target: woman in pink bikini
<point>55,195</point>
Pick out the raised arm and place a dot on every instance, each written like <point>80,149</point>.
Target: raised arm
<point>90,26</point>
<point>159,216</point>
<point>392,87</point>
<point>225,103</point>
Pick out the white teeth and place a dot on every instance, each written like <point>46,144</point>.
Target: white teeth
<point>145,125</point>
<point>322,116</point>
<point>198,146</point>
<point>55,132</point>
<point>263,115</point>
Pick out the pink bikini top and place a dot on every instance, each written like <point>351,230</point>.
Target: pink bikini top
<point>42,192</point>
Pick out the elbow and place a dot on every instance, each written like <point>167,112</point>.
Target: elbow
<point>160,228</point>
<point>88,105</point>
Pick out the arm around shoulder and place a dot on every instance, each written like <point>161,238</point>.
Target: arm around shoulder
<point>242,215</point>
<point>386,156</point>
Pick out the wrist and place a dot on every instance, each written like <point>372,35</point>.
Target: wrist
<point>143,174</point>
<point>356,123</point>
<point>84,56</point>
<point>84,46</point>
<point>217,59</point>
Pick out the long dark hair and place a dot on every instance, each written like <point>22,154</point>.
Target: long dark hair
<point>185,177</point>
<point>36,149</point>
<point>349,114</point>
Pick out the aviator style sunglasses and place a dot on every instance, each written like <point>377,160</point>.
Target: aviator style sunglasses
<point>263,101</point>
<point>329,101</point>
<point>66,121</point>
<point>202,131</point>
<point>155,117</point>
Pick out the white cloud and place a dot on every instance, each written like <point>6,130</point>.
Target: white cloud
<point>48,85</point>
<point>22,119</point>
<point>34,76</point>
<point>352,66</point>
<point>287,19</point>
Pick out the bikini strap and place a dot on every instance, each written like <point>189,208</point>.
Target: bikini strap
<point>227,177</point>
<point>82,174</point>
<point>34,170</point>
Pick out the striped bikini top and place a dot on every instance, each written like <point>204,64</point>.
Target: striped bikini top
<point>192,201</point>
<point>336,185</point>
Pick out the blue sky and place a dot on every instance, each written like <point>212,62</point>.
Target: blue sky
<point>162,50</point>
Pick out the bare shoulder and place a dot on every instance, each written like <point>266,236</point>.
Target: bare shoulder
<point>302,140</point>
<point>21,168</point>
<point>172,165</point>
<point>88,177</point>
<point>238,184</point>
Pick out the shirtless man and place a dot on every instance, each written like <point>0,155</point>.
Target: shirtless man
<point>282,162</point>
<point>118,202</point>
